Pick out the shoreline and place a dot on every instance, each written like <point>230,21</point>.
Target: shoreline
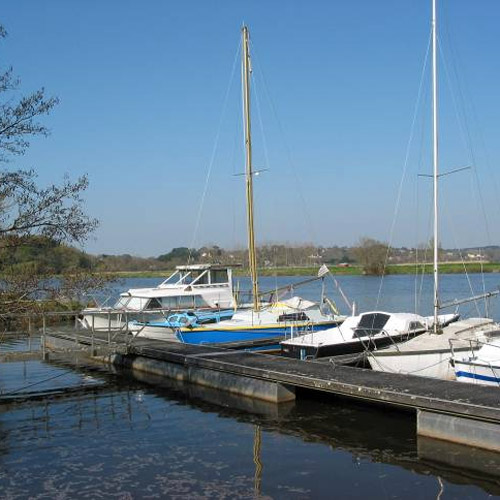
<point>409,269</point>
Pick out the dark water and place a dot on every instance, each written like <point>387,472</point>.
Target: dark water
<point>98,433</point>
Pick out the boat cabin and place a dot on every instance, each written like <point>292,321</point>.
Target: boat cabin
<point>199,275</point>
<point>197,286</point>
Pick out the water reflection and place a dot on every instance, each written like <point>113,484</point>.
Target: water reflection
<point>139,436</point>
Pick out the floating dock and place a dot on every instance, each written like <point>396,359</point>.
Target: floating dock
<point>446,410</point>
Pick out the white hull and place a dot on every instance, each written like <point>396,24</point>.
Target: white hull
<point>432,364</point>
<point>478,373</point>
<point>102,321</point>
<point>157,333</point>
<point>429,355</point>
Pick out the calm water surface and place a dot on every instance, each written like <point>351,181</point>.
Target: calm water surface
<point>98,433</point>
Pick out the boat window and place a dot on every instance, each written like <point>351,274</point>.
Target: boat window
<point>200,277</point>
<point>371,324</point>
<point>185,302</point>
<point>153,304</point>
<point>186,279</point>
<point>299,316</point>
<point>493,334</point>
<point>172,279</point>
<point>136,303</point>
<point>415,325</point>
<point>219,276</point>
<point>199,301</point>
<point>169,302</point>
<point>121,302</point>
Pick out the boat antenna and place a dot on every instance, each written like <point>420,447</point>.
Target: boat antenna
<point>435,164</point>
<point>252,259</point>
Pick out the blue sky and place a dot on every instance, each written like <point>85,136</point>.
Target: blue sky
<point>143,85</point>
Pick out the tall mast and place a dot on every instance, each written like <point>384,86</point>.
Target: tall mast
<point>252,259</point>
<point>435,164</point>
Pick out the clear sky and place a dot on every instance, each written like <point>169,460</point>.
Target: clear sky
<point>142,86</point>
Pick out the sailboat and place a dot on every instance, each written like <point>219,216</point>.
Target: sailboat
<point>260,321</point>
<point>429,354</point>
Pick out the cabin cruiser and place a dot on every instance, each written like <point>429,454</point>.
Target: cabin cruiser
<point>202,287</point>
<point>479,365</point>
<point>364,332</point>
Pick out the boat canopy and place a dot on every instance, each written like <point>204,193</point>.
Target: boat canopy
<point>297,303</point>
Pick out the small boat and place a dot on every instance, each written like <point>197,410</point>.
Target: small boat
<point>167,328</point>
<point>429,354</point>
<point>204,287</point>
<point>276,320</point>
<point>480,365</point>
<point>365,332</point>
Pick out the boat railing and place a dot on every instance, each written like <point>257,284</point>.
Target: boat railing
<point>471,346</point>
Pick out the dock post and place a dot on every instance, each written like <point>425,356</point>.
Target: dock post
<point>109,328</point>
<point>461,430</point>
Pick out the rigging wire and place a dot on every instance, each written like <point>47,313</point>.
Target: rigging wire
<point>212,158</point>
<point>475,181</point>
<point>259,116</point>
<point>475,186</point>
<point>420,264</point>
<point>405,168</point>
<point>299,183</point>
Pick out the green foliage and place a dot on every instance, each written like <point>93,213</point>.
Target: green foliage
<point>371,255</point>
<point>180,254</point>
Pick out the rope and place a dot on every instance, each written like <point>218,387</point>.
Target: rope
<point>18,391</point>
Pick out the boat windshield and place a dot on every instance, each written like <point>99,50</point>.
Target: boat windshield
<point>173,279</point>
<point>121,303</point>
<point>371,324</point>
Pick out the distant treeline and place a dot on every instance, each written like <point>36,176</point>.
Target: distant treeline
<point>49,257</point>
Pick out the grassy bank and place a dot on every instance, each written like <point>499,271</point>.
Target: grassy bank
<point>446,268</point>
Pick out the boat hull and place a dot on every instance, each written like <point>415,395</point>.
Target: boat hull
<point>248,333</point>
<point>351,347</point>
<point>435,363</point>
<point>157,333</point>
<point>477,373</point>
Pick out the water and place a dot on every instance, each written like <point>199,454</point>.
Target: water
<point>401,293</point>
<point>131,435</point>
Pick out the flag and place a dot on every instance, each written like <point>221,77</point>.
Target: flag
<point>323,270</point>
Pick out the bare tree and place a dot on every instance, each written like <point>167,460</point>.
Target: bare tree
<point>28,211</point>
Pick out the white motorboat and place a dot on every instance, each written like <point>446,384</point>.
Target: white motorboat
<point>365,332</point>
<point>478,363</point>
<point>197,286</point>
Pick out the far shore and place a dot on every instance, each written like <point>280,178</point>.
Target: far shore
<point>353,270</point>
